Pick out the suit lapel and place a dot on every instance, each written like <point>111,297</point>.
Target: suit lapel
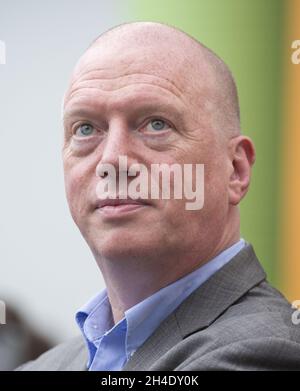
<point>201,308</point>
<point>164,338</point>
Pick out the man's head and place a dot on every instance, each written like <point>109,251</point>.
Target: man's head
<point>151,93</point>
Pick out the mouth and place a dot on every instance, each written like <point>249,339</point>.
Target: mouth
<point>119,207</point>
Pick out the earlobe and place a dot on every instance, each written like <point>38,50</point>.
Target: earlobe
<point>242,159</point>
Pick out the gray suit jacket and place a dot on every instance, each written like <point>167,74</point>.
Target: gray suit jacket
<point>234,321</point>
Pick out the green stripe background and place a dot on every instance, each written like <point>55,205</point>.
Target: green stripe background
<point>248,36</point>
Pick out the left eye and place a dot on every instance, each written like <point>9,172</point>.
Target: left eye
<point>84,130</point>
<point>157,125</point>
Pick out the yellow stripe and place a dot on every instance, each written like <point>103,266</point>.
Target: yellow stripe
<point>290,212</point>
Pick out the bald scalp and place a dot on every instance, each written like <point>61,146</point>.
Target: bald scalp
<point>201,64</point>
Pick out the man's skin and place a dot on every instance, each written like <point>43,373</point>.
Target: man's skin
<point>130,76</point>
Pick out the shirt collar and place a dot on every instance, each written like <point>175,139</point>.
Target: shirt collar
<point>148,314</point>
<point>140,321</point>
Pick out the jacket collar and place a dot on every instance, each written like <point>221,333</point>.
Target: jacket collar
<point>202,307</point>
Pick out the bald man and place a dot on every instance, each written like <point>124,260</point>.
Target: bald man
<point>183,290</point>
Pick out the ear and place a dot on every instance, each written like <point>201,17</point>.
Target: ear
<point>242,156</point>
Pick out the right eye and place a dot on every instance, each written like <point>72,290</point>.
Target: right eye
<point>84,130</point>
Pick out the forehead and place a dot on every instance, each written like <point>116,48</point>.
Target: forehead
<point>124,92</point>
<point>140,75</point>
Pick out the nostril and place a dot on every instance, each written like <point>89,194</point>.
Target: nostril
<point>105,173</point>
<point>114,169</point>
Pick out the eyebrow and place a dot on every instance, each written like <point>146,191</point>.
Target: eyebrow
<point>83,109</point>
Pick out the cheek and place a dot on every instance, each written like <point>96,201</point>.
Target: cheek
<point>72,185</point>
<point>76,185</point>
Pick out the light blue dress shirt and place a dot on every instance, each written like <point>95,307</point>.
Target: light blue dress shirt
<point>110,346</point>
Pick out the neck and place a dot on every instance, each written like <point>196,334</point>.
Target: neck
<point>130,281</point>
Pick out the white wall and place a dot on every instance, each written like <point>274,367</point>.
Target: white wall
<point>47,270</point>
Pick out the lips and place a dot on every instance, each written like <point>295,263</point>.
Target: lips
<point>119,202</point>
<point>116,207</point>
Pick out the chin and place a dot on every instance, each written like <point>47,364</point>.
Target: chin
<point>117,253</point>
<point>121,247</point>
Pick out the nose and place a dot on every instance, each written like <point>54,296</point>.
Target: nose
<point>119,143</point>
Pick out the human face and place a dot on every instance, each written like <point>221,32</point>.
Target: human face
<point>109,112</point>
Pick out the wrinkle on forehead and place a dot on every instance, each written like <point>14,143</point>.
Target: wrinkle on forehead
<point>98,74</point>
<point>173,77</point>
<point>95,79</point>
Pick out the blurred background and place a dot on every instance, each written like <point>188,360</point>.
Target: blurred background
<point>47,271</point>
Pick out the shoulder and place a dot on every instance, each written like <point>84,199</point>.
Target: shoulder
<point>262,312</point>
<point>68,356</point>
<point>255,332</point>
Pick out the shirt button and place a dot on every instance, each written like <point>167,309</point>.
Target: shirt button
<point>95,326</point>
